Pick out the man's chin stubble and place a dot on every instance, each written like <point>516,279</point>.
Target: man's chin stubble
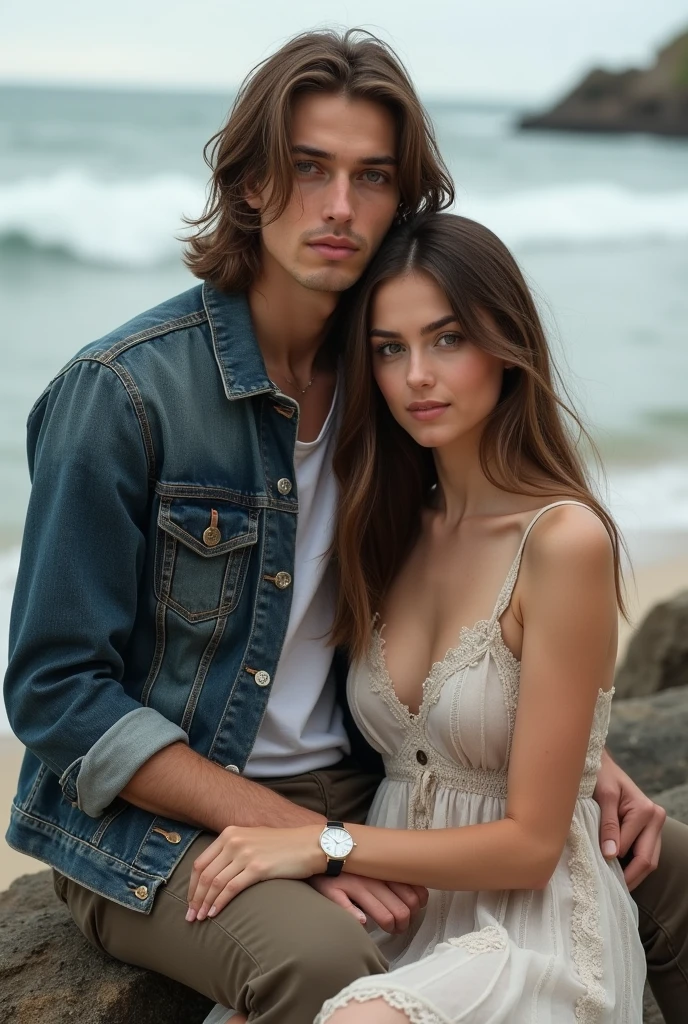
<point>327,281</point>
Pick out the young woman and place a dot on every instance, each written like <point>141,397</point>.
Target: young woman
<point>470,539</point>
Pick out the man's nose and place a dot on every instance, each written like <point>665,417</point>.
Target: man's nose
<point>338,204</point>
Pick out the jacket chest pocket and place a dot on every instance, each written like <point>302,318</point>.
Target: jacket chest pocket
<point>202,554</point>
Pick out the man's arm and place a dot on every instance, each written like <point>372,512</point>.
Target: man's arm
<point>181,784</point>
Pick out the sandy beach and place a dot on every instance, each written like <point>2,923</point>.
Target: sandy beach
<point>653,583</point>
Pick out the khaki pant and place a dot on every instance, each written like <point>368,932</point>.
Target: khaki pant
<point>280,949</point>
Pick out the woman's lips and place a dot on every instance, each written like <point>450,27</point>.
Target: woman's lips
<point>427,412</point>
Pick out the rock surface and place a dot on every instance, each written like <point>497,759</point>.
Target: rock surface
<point>657,655</point>
<point>675,802</point>
<point>648,737</point>
<point>49,974</point>
<point>653,100</point>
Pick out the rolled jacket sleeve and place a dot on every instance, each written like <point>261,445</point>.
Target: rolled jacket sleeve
<point>67,696</point>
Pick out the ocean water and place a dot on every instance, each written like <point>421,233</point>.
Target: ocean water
<point>94,184</point>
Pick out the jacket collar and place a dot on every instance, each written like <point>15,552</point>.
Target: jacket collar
<point>234,342</point>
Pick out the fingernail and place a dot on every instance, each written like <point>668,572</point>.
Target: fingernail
<point>191,914</point>
<point>362,918</point>
<point>213,911</point>
<point>609,848</point>
<point>201,914</point>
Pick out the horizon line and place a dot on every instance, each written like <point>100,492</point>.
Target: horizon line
<point>219,90</point>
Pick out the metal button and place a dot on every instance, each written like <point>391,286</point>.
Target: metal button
<point>232,768</point>
<point>282,580</point>
<point>284,485</point>
<point>211,534</point>
<point>141,892</point>
<point>262,678</point>
<point>421,757</point>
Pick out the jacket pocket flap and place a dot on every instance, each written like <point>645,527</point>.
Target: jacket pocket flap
<point>207,526</point>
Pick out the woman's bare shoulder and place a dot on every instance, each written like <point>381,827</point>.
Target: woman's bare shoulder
<point>569,539</point>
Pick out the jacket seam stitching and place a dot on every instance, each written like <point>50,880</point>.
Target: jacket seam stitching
<point>140,410</point>
<point>158,331</point>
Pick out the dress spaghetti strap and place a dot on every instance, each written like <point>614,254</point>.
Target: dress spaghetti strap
<point>510,582</point>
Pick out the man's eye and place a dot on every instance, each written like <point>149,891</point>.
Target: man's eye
<point>304,166</point>
<point>375,177</point>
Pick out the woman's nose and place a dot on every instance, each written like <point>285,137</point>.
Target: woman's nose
<point>418,374</point>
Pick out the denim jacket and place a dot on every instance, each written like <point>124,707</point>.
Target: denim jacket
<point>154,586</point>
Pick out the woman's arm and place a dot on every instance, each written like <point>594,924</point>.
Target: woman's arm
<point>566,601</point>
<point>567,604</point>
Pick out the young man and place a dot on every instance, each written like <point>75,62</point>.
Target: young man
<point>169,672</point>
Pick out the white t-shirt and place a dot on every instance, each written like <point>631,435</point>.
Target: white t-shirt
<point>303,726</point>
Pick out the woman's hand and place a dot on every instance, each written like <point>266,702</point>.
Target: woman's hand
<point>240,857</point>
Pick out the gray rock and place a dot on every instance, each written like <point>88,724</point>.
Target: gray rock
<point>648,737</point>
<point>49,974</point>
<point>657,656</point>
<point>634,100</point>
<point>675,802</point>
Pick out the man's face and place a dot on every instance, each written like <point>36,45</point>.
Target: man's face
<point>345,192</point>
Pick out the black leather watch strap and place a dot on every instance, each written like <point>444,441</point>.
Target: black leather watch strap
<point>334,867</point>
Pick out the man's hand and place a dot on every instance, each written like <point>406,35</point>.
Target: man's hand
<point>390,904</point>
<point>630,822</point>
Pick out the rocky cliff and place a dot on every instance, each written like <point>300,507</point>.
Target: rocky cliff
<point>653,100</point>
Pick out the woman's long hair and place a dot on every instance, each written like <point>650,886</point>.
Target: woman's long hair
<point>530,444</point>
<point>254,149</point>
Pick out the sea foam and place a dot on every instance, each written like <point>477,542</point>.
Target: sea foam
<point>134,224</point>
<point>114,223</point>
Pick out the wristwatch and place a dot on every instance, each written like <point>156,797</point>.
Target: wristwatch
<point>336,843</point>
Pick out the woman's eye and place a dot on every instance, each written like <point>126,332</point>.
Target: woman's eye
<point>304,166</point>
<point>450,340</point>
<point>390,348</point>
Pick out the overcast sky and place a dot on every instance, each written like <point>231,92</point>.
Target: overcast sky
<point>521,49</point>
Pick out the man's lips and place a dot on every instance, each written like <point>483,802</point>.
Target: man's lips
<point>333,248</point>
<point>427,410</point>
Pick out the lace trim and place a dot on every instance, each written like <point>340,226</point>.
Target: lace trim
<point>586,937</point>
<point>415,1008</point>
<point>598,737</point>
<point>490,939</point>
<point>482,781</point>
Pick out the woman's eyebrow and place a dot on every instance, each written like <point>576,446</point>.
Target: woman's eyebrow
<point>428,329</point>
<point>436,324</point>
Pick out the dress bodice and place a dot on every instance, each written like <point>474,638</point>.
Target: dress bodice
<point>461,736</point>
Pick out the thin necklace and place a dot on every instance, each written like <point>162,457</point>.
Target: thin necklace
<point>301,391</point>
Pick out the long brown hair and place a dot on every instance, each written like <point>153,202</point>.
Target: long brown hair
<point>530,442</point>
<point>253,148</point>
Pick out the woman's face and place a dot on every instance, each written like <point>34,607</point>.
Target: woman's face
<point>438,385</point>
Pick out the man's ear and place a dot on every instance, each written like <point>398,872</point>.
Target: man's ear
<point>253,195</point>
<point>254,200</point>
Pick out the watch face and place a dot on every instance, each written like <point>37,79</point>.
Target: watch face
<point>336,842</point>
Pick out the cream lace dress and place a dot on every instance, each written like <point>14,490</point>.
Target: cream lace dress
<point>567,953</point>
